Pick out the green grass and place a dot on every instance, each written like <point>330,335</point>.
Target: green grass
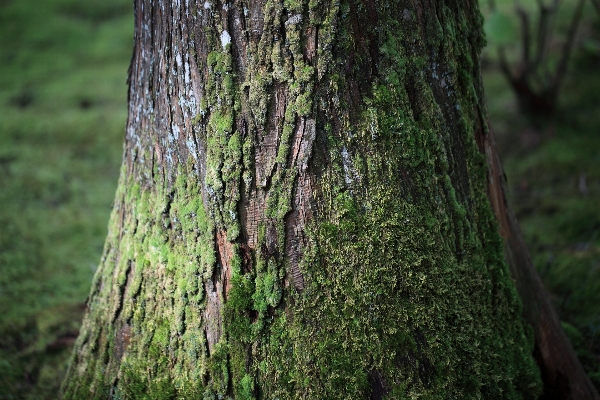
<point>63,70</point>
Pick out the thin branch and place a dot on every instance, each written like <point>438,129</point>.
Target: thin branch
<point>567,49</point>
<point>525,35</point>
<point>596,4</point>
<point>544,23</point>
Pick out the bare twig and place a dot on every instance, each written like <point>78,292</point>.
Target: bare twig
<point>525,36</point>
<point>534,84</point>
<point>568,48</point>
<point>543,25</point>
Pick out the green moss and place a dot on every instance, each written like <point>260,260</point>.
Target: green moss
<point>137,387</point>
<point>221,125</point>
<point>238,306</point>
<point>219,369</point>
<point>260,95</point>
<point>246,388</point>
<point>172,245</point>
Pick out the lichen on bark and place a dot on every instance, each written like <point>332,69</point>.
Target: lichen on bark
<point>302,212</point>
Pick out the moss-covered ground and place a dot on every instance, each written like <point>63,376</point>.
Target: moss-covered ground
<point>63,67</point>
<point>63,93</point>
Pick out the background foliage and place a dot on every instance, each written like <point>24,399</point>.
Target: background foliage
<point>63,70</point>
<point>552,163</point>
<point>63,66</point>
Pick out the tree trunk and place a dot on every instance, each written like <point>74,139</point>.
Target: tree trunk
<point>302,211</point>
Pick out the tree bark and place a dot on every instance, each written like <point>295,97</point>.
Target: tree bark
<point>302,211</point>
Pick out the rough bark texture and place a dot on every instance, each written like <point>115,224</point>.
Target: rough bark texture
<point>302,211</point>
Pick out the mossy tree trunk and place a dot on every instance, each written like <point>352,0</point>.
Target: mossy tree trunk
<point>302,211</point>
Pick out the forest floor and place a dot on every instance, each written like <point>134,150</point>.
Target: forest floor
<point>63,106</point>
<point>63,66</point>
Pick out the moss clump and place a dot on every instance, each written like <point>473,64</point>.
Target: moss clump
<point>159,263</point>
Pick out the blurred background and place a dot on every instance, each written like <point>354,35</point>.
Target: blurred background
<point>63,70</point>
<point>63,107</point>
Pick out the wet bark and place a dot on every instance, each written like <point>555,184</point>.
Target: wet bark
<point>302,211</point>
